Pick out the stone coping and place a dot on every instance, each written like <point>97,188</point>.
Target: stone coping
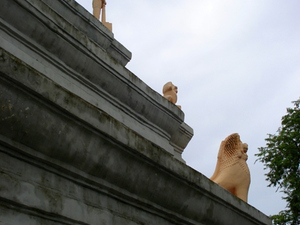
<point>53,40</point>
<point>133,168</point>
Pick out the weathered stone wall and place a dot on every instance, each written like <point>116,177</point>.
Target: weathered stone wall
<point>85,141</point>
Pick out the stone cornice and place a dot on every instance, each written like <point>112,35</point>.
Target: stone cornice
<point>73,116</point>
<point>74,134</point>
<point>55,40</point>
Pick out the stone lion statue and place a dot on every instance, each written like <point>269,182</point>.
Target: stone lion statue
<point>170,92</point>
<point>232,172</point>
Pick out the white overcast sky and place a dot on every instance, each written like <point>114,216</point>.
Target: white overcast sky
<point>236,64</point>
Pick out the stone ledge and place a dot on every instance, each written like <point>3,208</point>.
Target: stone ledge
<point>54,39</point>
<point>72,112</point>
<point>163,182</point>
<point>70,11</point>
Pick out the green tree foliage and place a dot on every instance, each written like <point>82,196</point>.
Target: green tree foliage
<point>281,158</point>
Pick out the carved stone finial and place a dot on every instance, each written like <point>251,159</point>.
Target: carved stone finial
<point>170,93</point>
<point>99,5</point>
<point>232,172</point>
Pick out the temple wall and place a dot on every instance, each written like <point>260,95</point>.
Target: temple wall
<point>83,140</point>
